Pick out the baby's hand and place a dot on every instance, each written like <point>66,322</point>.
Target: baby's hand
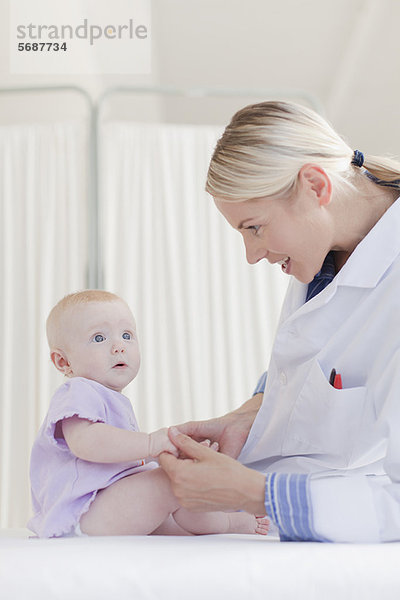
<point>213,446</point>
<point>160,442</point>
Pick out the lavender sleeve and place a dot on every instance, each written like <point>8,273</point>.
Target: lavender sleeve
<point>75,397</point>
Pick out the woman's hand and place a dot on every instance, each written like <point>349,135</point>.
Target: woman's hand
<point>208,480</point>
<point>229,431</point>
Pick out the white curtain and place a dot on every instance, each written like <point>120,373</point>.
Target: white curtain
<point>42,257</point>
<point>205,317</point>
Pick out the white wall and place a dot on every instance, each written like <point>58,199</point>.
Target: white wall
<point>343,52</point>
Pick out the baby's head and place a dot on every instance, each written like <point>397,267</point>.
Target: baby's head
<point>92,334</point>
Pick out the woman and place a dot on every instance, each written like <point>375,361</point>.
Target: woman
<point>323,442</point>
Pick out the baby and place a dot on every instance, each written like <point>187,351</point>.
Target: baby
<point>90,468</point>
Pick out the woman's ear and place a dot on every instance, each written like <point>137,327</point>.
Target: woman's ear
<point>316,180</point>
<point>61,362</point>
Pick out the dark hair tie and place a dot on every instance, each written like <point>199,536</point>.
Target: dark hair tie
<point>358,159</point>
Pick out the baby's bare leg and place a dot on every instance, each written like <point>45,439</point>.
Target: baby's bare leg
<point>142,503</point>
<point>220,522</point>
<point>170,527</point>
<point>134,505</point>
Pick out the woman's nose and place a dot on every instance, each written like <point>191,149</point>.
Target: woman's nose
<point>254,253</point>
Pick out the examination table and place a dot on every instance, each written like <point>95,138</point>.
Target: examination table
<point>232,567</point>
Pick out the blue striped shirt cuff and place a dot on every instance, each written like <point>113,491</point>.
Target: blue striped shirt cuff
<point>260,387</point>
<point>287,503</point>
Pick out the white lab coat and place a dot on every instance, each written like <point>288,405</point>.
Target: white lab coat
<point>349,439</point>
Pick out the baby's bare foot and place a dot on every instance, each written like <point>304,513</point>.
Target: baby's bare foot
<point>262,526</point>
<point>241,522</point>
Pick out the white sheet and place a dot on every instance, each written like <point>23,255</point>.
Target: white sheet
<point>197,568</point>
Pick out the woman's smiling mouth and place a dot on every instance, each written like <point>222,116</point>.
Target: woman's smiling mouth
<point>284,263</point>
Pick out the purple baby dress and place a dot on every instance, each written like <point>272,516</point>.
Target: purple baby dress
<point>63,486</point>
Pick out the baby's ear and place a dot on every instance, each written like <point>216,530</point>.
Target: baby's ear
<point>61,362</point>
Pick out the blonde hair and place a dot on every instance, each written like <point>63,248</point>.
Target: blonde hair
<point>265,145</point>
<point>58,312</point>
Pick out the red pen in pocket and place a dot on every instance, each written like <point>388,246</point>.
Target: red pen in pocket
<point>335,379</point>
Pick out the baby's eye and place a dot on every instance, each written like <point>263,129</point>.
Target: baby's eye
<point>126,335</point>
<point>99,338</point>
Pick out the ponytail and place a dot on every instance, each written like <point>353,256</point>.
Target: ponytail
<point>265,145</point>
<point>383,171</point>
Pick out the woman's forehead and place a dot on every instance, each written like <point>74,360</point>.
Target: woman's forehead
<point>237,213</point>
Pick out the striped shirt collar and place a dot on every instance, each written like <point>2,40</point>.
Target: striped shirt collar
<point>323,277</point>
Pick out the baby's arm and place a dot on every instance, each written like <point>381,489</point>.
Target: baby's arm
<point>102,443</point>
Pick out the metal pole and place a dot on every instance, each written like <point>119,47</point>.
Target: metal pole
<point>292,93</point>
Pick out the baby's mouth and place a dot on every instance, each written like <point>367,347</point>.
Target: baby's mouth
<point>120,365</point>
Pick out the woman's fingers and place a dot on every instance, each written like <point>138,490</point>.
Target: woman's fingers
<point>187,446</point>
<point>200,430</point>
<point>208,480</point>
<point>169,463</point>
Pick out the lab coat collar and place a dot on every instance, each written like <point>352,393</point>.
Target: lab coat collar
<point>363,269</point>
<point>375,253</point>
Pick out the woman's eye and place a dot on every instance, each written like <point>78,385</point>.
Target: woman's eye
<point>254,229</point>
<point>99,337</point>
<point>126,336</point>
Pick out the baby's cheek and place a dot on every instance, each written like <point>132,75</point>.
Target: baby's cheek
<point>136,363</point>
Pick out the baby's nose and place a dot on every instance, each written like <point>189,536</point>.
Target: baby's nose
<point>118,348</point>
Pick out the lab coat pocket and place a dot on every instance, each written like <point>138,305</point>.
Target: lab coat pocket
<point>325,420</point>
